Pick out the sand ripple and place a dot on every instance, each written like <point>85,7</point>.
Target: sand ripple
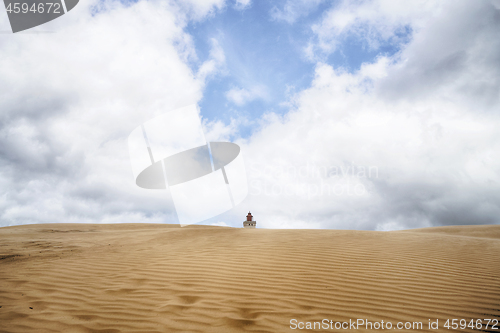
<point>163,278</point>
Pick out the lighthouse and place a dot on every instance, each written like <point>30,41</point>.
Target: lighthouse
<point>249,223</point>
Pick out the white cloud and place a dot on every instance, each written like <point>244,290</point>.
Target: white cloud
<point>214,64</point>
<point>241,96</point>
<point>370,21</point>
<point>218,131</point>
<point>200,9</point>
<point>242,4</point>
<point>293,9</point>
<point>451,58</point>
<point>422,121</point>
<point>408,141</point>
<point>72,97</point>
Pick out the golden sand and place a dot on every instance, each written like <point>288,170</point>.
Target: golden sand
<point>163,278</point>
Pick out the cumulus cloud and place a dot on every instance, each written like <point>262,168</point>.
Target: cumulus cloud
<point>407,141</point>
<point>372,22</point>
<point>214,64</point>
<point>423,121</point>
<point>454,57</point>
<point>70,99</point>
<point>216,130</point>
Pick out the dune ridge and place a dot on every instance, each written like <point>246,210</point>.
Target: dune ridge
<point>163,278</point>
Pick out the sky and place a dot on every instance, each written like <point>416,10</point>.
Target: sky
<point>367,115</point>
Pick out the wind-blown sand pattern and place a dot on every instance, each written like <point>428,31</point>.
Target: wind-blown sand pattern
<point>163,278</point>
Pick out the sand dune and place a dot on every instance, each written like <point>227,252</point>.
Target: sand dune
<point>163,278</point>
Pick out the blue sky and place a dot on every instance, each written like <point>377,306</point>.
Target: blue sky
<point>409,88</point>
<point>264,51</point>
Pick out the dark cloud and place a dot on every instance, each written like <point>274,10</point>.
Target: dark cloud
<point>456,53</point>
